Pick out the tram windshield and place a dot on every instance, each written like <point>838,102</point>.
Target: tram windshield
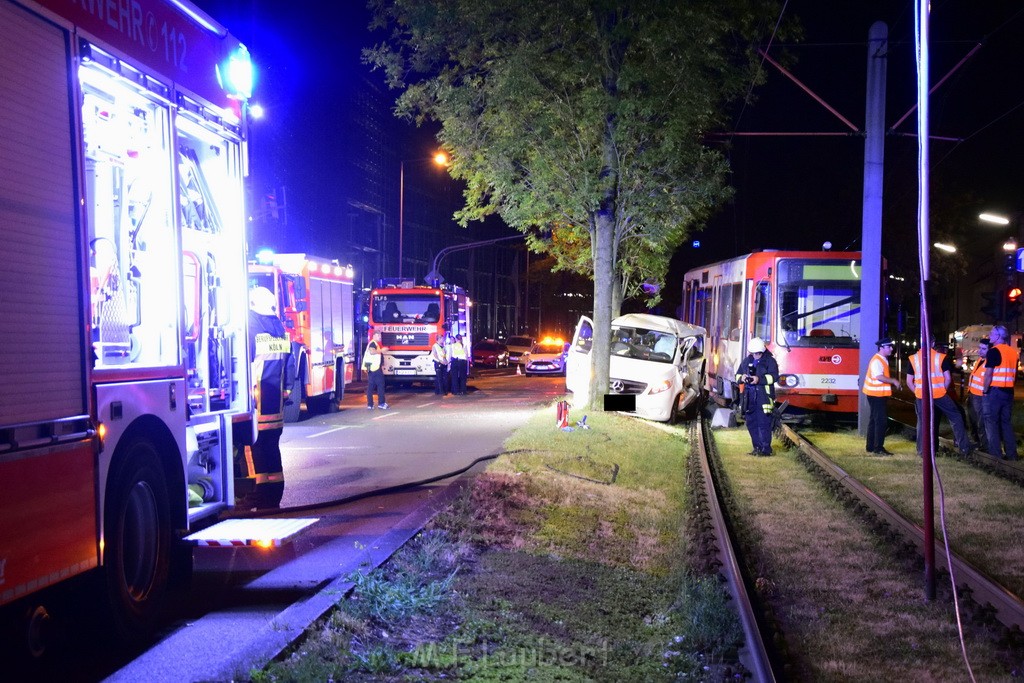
<point>819,302</point>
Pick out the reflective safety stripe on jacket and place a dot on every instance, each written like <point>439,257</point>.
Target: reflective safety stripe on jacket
<point>877,366</point>
<point>938,379</point>
<point>977,377</point>
<point>1004,373</point>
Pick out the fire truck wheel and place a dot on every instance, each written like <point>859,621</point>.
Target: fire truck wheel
<point>137,535</point>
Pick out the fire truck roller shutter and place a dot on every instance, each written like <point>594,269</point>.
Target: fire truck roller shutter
<point>42,359</point>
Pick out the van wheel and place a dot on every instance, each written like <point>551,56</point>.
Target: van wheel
<point>137,538</point>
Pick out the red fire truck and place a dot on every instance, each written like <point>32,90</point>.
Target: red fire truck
<point>315,302</point>
<point>410,319</point>
<point>124,301</point>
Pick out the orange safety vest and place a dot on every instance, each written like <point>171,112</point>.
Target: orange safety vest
<point>938,379</point>
<point>1004,373</point>
<point>878,365</point>
<point>977,382</point>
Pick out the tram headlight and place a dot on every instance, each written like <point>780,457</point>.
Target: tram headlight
<point>789,381</point>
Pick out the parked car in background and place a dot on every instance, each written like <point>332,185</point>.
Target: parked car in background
<point>656,363</point>
<point>547,357</point>
<point>519,349</point>
<point>490,353</point>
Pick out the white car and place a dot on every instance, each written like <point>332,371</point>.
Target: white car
<point>657,362</point>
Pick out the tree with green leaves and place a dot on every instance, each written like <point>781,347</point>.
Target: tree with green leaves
<point>580,122</point>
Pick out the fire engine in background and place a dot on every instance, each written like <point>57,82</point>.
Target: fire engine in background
<point>315,302</point>
<point>124,300</point>
<point>410,319</point>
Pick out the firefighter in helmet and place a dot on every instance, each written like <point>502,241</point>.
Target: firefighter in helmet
<point>272,375</point>
<point>758,374</point>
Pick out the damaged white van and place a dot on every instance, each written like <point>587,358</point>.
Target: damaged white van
<point>657,360</point>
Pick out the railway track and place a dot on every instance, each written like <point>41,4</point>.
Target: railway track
<point>718,540</point>
<point>987,593</point>
<point>763,655</point>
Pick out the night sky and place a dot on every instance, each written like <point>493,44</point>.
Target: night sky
<point>791,192</point>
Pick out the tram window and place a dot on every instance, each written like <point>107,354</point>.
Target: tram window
<point>762,315</point>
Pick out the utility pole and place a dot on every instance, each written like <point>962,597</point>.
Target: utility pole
<point>871,221</point>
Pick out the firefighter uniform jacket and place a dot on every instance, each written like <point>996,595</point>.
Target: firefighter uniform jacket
<point>760,396</point>
<point>272,370</point>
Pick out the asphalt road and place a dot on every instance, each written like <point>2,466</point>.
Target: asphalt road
<point>244,605</point>
<point>331,457</point>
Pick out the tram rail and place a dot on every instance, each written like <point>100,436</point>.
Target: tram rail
<point>755,655</point>
<point>1006,607</point>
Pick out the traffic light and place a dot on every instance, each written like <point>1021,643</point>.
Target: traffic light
<point>995,303</point>
<point>1013,303</point>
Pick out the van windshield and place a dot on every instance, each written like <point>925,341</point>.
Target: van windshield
<point>636,342</point>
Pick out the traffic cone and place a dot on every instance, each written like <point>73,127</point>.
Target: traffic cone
<point>519,369</point>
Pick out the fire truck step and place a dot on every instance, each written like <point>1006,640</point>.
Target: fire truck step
<point>263,533</point>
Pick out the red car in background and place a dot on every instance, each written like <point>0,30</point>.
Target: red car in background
<point>490,353</point>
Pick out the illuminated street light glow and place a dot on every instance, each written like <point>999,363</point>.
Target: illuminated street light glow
<point>441,159</point>
<point>948,248</point>
<point>256,111</point>
<point>994,218</point>
<point>1010,245</point>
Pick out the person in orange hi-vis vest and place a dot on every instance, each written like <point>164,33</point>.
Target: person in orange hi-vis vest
<point>997,389</point>
<point>975,398</point>
<point>878,387</point>
<point>940,381</point>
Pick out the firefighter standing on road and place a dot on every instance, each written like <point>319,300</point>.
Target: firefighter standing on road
<point>439,355</point>
<point>272,374</point>
<point>758,374</point>
<point>459,365</point>
<point>372,360</point>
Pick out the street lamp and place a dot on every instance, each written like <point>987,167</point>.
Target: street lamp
<point>441,159</point>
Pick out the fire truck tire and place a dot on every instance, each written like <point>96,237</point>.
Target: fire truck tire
<point>137,535</point>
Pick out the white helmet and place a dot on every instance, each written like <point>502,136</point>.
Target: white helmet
<point>262,301</point>
<point>756,345</point>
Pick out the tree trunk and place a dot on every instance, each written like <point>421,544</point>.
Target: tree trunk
<point>604,277</point>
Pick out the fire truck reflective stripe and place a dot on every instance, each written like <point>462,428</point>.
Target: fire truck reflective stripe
<point>233,533</point>
<point>40,582</point>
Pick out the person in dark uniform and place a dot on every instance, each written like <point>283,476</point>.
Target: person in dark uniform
<point>459,357</point>
<point>878,387</point>
<point>272,376</point>
<point>758,374</point>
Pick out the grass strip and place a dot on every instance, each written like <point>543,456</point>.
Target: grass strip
<point>849,606</point>
<point>564,561</point>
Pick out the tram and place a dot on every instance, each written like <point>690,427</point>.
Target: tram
<point>805,305</point>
